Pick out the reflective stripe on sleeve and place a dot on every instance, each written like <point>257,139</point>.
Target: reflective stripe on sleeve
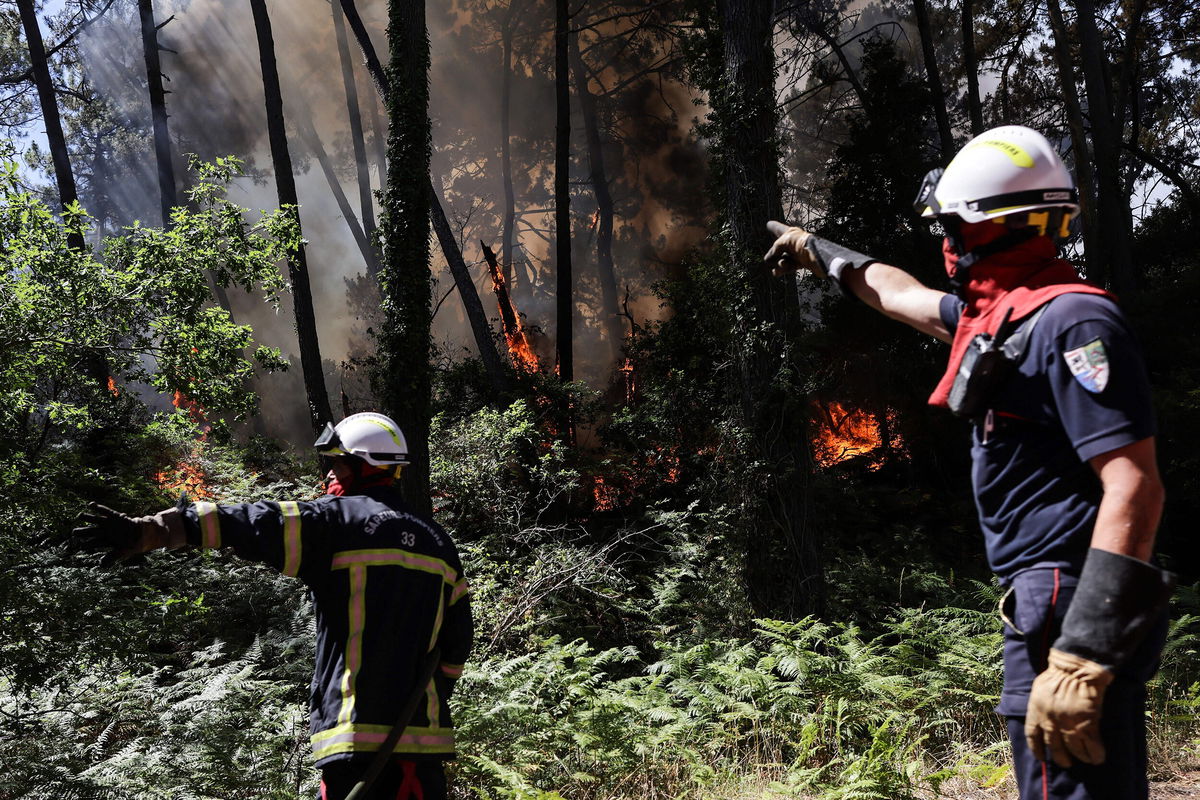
<point>460,590</point>
<point>452,670</point>
<point>432,704</point>
<point>356,614</point>
<point>210,525</point>
<point>291,537</point>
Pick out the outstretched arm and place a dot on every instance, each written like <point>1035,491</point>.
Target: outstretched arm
<point>885,288</point>
<point>897,294</point>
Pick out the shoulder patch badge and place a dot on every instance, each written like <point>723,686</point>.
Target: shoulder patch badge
<point>1089,365</point>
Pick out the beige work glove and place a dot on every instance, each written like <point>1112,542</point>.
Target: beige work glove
<point>1063,719</point>
<point>790,253</point>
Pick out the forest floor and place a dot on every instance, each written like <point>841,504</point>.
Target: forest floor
<point>1183,787</point>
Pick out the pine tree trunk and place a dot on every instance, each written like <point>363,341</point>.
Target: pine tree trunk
<point>285,182</point>
<point>158,111</point>
<point>63,176</point>
<point>365,201</point>
<point>507,233</point>
<point>167,194</point>
<point>1084,173</point>
<point>937,95</point>
<point>971,66</point>
<point>562,196</point>
<point>1115,219</point>
<point>476,316</point>
<point>313,141</point>
<point>404,378</point>
<point>604,204</point>
<point>784,568</point>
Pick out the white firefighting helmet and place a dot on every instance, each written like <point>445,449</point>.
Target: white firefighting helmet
<point>1003,172</point>
<point>374,438</point>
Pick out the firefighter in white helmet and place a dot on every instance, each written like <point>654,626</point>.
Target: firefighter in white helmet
<point>1046,369</point>
<point>389,595</point>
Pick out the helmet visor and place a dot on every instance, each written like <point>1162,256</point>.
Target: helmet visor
<point>328,441</point>
<point>926,203</point>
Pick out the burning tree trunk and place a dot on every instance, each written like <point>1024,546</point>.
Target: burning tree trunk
<point>564,336</point>
<point>404,378</point>
<point>63,176</point>
<point>471,303</point>
<point>604,203</point>
<point>519,349</point>
<point>785,571</point>
<point>285,182</point>
<point>357,141</point>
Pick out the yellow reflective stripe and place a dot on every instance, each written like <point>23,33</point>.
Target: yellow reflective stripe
<point>460,589</point>
<point>395,558</point>
<point>358,738</point>
<point>357,613</point>
<point>210,525</point>
<point>452,670</point>
<point>432,706</point>
<point>291,537</point>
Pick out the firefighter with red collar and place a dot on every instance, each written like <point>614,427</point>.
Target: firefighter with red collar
<point>389,596</point>
<point>1063,457</point>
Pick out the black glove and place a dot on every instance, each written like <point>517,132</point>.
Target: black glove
<point>125,536</point>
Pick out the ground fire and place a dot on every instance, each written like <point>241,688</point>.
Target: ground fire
<point>187,475</point>
<point>841,433</point>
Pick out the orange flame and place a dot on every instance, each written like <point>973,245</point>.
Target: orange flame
<point>629,376</point>
<point>515,337</point>
<point>187,475</point>
<point>843,433</point>
<point>605,496</point>
<point>112,387</point>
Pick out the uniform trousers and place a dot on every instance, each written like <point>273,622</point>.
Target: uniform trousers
<point>1033,612</point>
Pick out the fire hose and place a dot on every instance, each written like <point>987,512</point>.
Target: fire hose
<point>428,667</point>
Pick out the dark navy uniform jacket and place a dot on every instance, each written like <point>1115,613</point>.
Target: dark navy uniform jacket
<point>387,586</point>
<point>1080,390</point>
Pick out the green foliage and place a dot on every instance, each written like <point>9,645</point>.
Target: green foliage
<point>817,706</point>
<point>70,321</point>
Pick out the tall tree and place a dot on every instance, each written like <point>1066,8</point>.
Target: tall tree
<point>937,94</point>
<point>1115,219</point>
<point>158,110</point>
<point>784,566</point>
<point>285,183</point>
<point>509,214</point>
<point>57,141</point>
<point>1084,173</point>
<point>971,67</point>
<point>441,225</point>
<point>354,115</point>
<point>404,377</point>
<point>312,140</point>
<point>604,201</point>
<point>564,336</point>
